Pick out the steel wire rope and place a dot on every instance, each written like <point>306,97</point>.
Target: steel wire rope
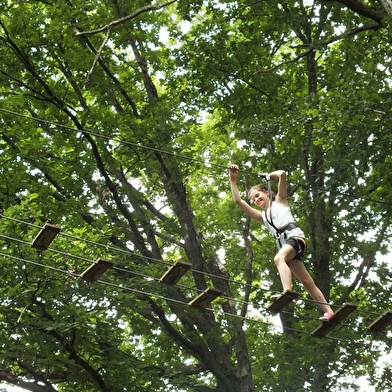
<point>146,293</point>
<point>178,285</point>
<point>110,138</point>
<point>125,142</point>
<point>126,270</point>
<point>129,271</point>
<point>129,252</point>
<point>168,299</point>
<point>132,272</point>
<point>71,255</point>
<point>152,278</point>
<point>49,249</point>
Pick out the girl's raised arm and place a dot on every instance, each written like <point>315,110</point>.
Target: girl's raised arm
<point>250,211</point>
<point>280,175</point>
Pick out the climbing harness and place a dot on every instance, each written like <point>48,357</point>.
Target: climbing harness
<point>278,232</point>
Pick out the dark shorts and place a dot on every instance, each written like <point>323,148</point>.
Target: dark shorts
<point>299,245</point>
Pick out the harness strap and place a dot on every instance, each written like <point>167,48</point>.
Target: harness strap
<point>278,232</point>
<point>288,227</point>
<point>269,207</point>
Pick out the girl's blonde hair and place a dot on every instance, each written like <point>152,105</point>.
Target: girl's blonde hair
<point>260,188</point>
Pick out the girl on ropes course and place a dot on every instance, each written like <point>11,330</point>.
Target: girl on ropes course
<point>290,239</point>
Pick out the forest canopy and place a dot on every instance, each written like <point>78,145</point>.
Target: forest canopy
<point>118,122</point>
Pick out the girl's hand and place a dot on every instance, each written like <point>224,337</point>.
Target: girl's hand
<point>275,175</point>
<point>233,171</point>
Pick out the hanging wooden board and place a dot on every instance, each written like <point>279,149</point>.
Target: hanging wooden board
<point>283,300</point>
<point>327,326</point>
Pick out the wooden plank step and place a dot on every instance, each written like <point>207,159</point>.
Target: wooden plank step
<point>283,300</point>
<point>381,323</point>
<point>205,298</point>
<point>175,272</point>
<point>327,326</point>
<point>97,269</point>
<point>45,236</point>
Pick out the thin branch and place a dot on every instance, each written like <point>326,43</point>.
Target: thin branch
<point>124,19</point>
<point>96,58</point>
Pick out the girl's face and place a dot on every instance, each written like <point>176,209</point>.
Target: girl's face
<point>260,198</point>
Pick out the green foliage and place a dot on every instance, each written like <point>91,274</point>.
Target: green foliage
<point>122,137</point>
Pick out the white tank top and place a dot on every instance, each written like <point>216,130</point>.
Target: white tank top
<point>281,217</point>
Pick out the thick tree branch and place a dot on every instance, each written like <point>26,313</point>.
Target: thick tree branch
<point>361,9</point>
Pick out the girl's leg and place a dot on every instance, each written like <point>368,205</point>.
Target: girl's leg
<point>299,270</point>
<point>285,254</point>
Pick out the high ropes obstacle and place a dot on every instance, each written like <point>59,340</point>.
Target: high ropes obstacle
<point>204,299</point>
<point>175,272</point>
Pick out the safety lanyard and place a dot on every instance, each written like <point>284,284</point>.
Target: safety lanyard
<point>269,206</point>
